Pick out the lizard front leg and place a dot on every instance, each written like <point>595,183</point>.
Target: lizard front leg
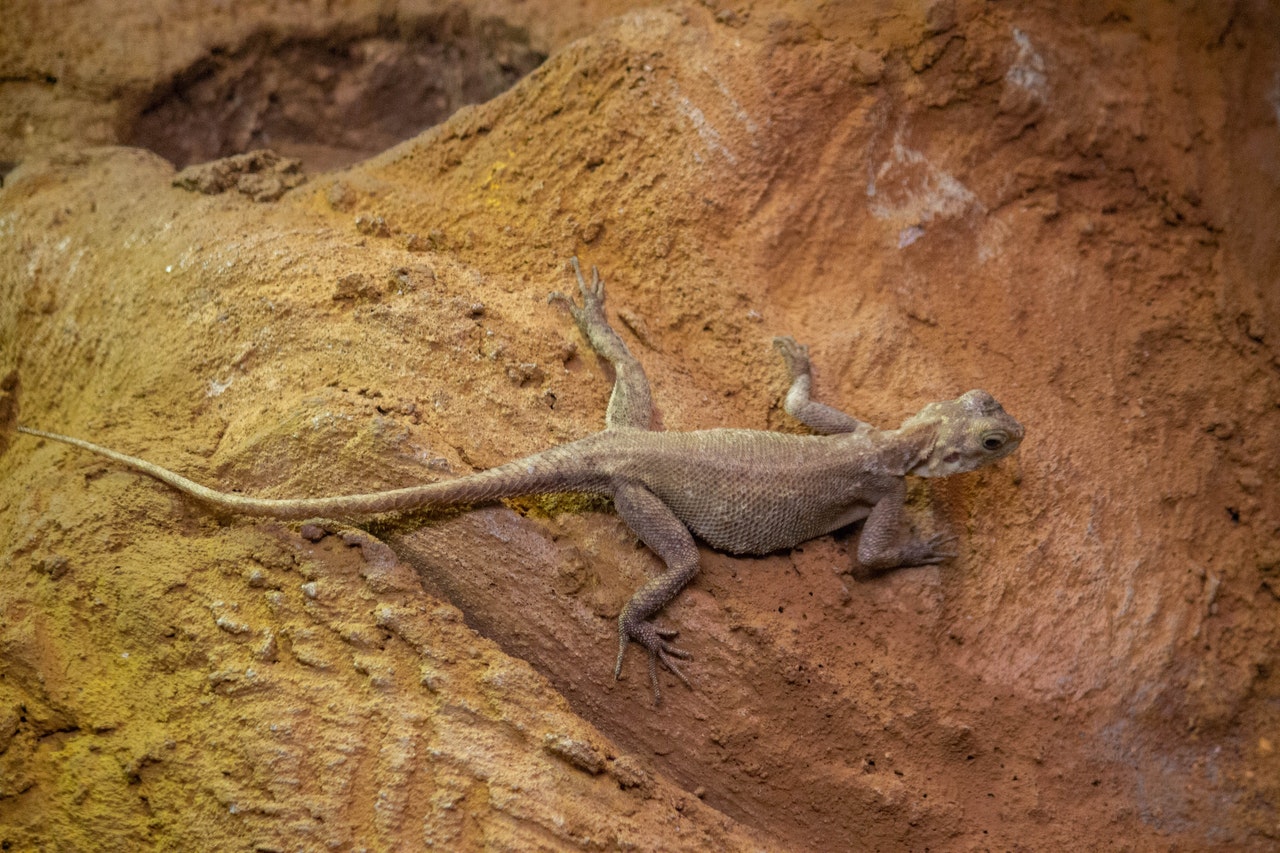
<point>885,542</point>
<point>664,533</point>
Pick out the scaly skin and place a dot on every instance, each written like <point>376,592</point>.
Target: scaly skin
<point>741,491</point>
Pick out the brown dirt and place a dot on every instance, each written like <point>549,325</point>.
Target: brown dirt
<point>1070,205</point>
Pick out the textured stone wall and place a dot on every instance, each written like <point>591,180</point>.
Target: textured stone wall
<point>1072,206</point>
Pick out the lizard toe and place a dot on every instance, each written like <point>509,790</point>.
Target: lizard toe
<point>662,656</point>
<point>938,547</point>
<point>577,271</point>
<point>623,642</point>
<point>668,649</point>
<point>597,286</point>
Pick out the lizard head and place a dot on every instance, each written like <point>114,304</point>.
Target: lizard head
<point>969,432</point>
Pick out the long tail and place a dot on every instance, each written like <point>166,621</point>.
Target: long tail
<point>538,474</point>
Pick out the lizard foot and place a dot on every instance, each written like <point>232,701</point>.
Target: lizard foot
<point>914,552</point>
<point>591,312</point>
<point>655,643</point>
<point>926,552</point>
<point>796,355</point>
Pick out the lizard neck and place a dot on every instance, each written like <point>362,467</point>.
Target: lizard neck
<point>903,449</point>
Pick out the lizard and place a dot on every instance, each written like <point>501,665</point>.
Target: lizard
<point>742,491</point>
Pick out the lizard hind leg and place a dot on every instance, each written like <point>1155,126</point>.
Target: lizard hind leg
<point>822,419</point>
<point>631,404</point>
<point>664,534</point>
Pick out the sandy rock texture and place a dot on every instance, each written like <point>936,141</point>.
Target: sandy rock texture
<point>1072,205</point>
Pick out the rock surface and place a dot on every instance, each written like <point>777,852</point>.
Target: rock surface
<point>1070,205</point>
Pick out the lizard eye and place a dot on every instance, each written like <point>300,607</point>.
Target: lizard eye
<point>994,440</point>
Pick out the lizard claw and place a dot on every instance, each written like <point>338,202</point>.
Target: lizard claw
<point>660,651</point>
<point>934,550</point>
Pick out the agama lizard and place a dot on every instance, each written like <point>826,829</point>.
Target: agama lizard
<point>738,490</point>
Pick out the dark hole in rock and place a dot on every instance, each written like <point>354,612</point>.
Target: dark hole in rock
<point>332,99</point>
